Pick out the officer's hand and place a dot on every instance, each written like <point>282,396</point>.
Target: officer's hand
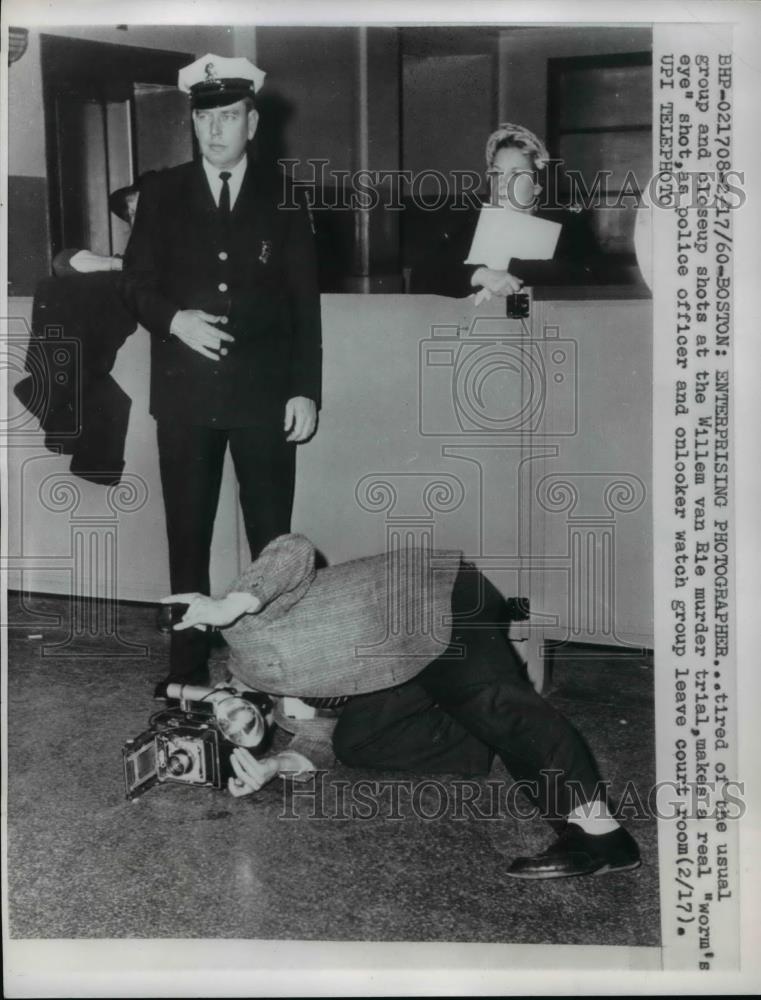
<point>497,282</point>
<point>300,418</point>
<point>193,327</point>
<point>250,774</point>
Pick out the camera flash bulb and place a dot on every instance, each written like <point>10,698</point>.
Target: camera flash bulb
<point>240,722</point>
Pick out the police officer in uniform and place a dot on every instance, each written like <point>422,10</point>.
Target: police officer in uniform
<point>221,270</point>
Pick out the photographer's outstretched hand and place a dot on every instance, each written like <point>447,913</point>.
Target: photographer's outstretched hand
<point>251,774</point>
<point>203,610</point>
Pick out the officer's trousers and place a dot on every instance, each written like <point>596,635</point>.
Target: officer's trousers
<point>191,459</point>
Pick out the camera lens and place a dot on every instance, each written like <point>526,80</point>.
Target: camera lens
<point>180,762</point>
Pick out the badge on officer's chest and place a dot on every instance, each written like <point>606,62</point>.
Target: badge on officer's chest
<point>265,251</point>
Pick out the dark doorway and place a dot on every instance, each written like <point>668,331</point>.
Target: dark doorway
<point>103,105</point>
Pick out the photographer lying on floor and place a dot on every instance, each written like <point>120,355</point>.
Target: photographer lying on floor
<point>424,695</point>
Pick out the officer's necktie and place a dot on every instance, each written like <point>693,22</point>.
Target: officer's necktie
<point>224,197</point>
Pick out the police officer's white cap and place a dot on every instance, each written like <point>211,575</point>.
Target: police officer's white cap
<point>215,81</point>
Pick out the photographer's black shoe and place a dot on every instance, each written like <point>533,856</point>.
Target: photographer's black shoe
<point>578,853</point>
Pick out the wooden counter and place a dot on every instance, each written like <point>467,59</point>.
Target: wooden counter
<point>526,446</point>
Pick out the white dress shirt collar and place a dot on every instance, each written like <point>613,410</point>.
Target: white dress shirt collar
<point>236,179</point>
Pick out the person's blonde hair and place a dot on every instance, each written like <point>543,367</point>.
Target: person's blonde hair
<point>509,135</point>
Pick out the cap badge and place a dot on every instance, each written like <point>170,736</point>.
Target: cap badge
<point>211,71</point>
<point>265,251</point>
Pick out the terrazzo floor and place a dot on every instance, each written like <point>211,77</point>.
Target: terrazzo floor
<point>180,862</point>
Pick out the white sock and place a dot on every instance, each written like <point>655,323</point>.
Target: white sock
<point>594,818</point>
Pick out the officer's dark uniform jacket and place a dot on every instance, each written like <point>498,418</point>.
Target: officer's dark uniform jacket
<point>259,271</point>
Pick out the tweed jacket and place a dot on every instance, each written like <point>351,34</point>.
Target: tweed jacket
<point>348,629</point>
<point>259,271</point>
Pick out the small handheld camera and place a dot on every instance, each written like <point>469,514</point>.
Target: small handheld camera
<point>192,744</point>
<point>517,306</point>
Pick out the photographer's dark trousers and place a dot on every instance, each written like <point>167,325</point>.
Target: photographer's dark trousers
<point>191,460</point>
<point>472,701</point>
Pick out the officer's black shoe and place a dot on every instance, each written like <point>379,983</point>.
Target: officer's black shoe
<point>165,619</point>
<point>578,853</point>
<point>160,691</point>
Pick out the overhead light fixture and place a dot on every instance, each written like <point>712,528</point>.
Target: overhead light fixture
<point>18,39</point>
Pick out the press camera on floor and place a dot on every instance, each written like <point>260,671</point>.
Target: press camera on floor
<point>191,744</point>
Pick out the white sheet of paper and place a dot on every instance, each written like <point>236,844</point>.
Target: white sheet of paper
<point>503,233</point>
